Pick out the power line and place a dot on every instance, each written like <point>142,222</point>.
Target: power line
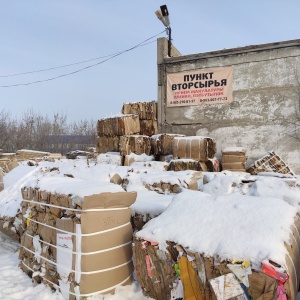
<point>111,56</point>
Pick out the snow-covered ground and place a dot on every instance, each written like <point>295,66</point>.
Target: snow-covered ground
<point>235,195</point>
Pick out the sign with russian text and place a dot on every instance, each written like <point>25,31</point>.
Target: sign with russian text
<point>197,87</point>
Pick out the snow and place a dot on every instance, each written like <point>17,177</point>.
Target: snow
<point>232,226</point>
<point>234,149</point>
<point>233,215</point>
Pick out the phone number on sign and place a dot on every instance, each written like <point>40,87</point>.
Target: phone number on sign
<point>213,99</point>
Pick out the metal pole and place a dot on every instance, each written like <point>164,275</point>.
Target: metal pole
<point>169,41</point>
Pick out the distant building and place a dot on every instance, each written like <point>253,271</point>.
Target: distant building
<point>247,96</point>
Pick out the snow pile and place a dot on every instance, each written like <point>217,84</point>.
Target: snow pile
<point>231,227</point>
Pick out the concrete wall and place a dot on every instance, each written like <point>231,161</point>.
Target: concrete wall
<point>264,114</point>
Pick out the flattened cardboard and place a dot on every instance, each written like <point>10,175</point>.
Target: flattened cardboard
<point>103,220</point>
<point>106,240</point>
<point>226,158</point>
<point>234,166</point>
<point>262,285</point>
<point>105,200</point>
<point>107,259</point>
<point>92,283</point>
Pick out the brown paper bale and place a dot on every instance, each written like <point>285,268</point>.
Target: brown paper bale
<point>186,164</point>
<point>148,127</point>
<point>159,283</point>
<point>194,147</point>
<point>137,144</point>
<point>234,166</point>
<point>108,144</point>
<point>117,126</point>
<point>161,144</point>
<point>145,110</point>
<point>213,165</point>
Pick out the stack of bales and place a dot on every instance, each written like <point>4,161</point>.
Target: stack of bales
<point>234,159</point>
<point>111,129</point>
<point>140,143</point>
<point>80,244</point>
<point>147,112</point>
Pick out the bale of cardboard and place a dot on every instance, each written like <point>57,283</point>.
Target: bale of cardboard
<point>161,144</point>
<point>171,264</point>
<point>107,144</point>
<point>119,125</point>
<point>145,110</point>
<point>234,159</point>
<point>195,147</point>
<point>142,158</point>
<point>79,243</point>
<point>137,144</point>
<point>148,127</point>
<point>270,162</point>
<point>186,164</point>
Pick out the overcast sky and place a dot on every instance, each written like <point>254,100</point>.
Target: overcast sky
<point>41,34</point>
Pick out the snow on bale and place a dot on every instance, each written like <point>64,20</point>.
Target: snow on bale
<point>200,240</point>
<point>132,158</point>
<point>113,158</point>
<point>77,235</point>
<point>271,162</point>
<point>162,182</point>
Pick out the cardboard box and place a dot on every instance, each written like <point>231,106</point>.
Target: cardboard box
<point>234,166</point>
<point>230,158</point>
